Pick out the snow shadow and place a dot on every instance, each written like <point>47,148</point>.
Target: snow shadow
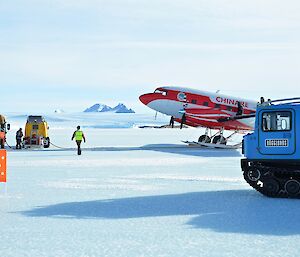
<point>230,211</point>
<point>174,149</point>
<point>193,151</point>
<point>163,148</point>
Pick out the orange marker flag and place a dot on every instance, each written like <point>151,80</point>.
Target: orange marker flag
<point>3,165</point>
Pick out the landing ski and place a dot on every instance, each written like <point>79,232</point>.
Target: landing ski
<point>210,145</point>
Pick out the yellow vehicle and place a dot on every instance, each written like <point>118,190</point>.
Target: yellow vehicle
<point>4,127</point>
<point>36,132</point>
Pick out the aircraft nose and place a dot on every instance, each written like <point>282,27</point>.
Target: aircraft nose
<point>146,98</point>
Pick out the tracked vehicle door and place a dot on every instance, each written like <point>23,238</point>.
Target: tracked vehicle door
<point>277,132</point>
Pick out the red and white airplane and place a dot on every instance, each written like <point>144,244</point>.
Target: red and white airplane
<point>203,109</point>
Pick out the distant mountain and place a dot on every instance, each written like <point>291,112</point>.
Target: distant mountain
<point>59,111</point>
<point>120,108</point>
<point>99,108</point>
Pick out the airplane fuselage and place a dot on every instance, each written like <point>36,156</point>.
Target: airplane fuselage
<point>202,108</point>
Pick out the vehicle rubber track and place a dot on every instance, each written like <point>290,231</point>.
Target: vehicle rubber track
<point>274,181</point>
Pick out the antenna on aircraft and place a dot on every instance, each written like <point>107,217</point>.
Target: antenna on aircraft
<point>218,91</point>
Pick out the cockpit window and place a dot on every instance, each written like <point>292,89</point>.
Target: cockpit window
<point>158,91</point>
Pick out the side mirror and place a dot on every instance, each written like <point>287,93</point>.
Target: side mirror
<point>8,126</point>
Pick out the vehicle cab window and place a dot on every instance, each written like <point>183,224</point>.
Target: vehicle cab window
<point>277,121</point>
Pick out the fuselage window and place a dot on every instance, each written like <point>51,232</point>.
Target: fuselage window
<point>194,101</point>
<point>217,106</point>
<point>229,108</point>
<point>205,103</point>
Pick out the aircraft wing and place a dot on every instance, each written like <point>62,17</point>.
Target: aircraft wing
<point>237,117</point>
<point>206,114</point>
<point>215,118</point>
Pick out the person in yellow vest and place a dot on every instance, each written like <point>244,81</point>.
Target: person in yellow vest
<point>79,136</point>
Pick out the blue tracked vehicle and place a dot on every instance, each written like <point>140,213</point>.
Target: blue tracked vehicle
<point>272,152</point>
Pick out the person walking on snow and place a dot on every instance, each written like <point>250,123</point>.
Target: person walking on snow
<point>79,136</point>
<point>19,136</point>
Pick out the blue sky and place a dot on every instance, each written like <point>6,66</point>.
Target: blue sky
<point>71,54</point>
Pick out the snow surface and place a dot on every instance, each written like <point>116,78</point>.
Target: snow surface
<point>136,192</point>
